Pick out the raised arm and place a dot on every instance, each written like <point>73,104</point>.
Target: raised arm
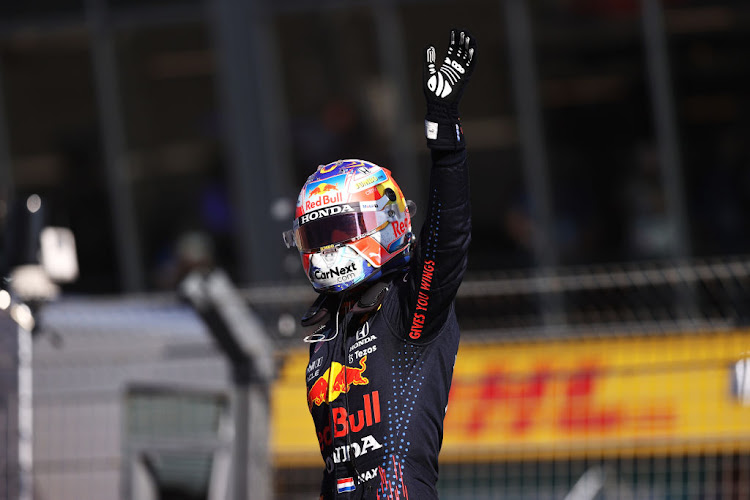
<point>440,257</point>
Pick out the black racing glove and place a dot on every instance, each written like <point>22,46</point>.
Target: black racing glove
<point>443,88</point>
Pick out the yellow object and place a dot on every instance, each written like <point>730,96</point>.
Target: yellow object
<point>598,397</point>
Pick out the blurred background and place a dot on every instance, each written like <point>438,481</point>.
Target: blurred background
<point>605,312</point>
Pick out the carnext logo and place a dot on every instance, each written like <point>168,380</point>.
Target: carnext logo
<point>341,271</point>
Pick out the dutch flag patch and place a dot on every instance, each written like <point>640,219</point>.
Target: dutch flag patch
<point>345,484</point>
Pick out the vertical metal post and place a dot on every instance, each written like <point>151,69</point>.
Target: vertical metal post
<point>247,87</point>
<point>241,337</point>
<point>9,438</point>
<point>670,160</point>
<point>533,148</point>
<point>111,122</point>
<point>16,403</point>
<point>240,482</point>
<point>274,116</point>
<point>529,116</point>
<point>391,50</point>
<point>657,60</point>
<point>251,479</point>
<point>25,415</point>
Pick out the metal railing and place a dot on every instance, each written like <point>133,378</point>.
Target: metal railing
<point>639,297</point>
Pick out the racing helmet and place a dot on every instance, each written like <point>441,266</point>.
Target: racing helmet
<point>351,223</point>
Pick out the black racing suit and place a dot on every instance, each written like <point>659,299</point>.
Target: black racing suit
<point>387,370</point>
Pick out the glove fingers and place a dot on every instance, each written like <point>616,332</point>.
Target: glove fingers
<point>444,82</point>
<point>469,46</point>
<point>429,72</point>
<point>429,56</point>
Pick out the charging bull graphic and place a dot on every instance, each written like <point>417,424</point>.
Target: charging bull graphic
<point>335,380</point>
<point>323,188</point>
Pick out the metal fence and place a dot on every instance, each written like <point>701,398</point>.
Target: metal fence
<point>638,297</point>
<point>610,382</point>
<point>601,382</point>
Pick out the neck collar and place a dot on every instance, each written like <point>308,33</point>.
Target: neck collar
<point>369,300</point>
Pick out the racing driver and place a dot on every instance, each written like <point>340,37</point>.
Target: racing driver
<point>383,330</point>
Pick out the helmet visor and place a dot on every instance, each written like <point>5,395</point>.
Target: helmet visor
<point>324,231</point>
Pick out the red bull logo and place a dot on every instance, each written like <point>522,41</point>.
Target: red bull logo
<point>344,422</point>
<point>323,188</point>
<point>335,380</point>
<point>324,194</point>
